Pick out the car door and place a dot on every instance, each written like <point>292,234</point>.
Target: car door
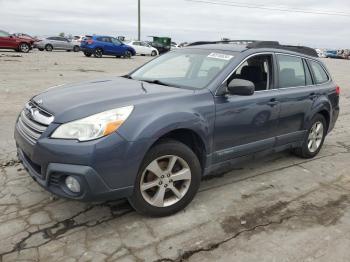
<point>137,46</point>
<point>118,47</point>
<point>7,41</point>
<point>54,41</point>
<point>246,124</point>
<point>297,94</point>
<point>146,50</point>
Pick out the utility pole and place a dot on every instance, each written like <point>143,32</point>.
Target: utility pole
<point>139,21</point>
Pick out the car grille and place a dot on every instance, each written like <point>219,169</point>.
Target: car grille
<point>32,122</point>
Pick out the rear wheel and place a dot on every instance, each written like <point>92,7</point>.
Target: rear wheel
<point>49,48</point>
<point>41,49</point>
<point>154,53</point>
<point>98,53</point>
<point>24,48</point>
<point>314,139</point>
<point>76,48</point>
<point>167,181</point>
<point>87,54</point>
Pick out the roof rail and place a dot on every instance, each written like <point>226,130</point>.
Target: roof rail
<point>262,44</point>
<point>273,44</point>
<point>237,42</point>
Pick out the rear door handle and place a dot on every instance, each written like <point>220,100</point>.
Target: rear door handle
<point>273,102</point>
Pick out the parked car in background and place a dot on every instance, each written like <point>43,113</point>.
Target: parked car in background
<point>17,43</point>
<point>57,43</point>
<point>23,35</point>
<point>99,45</point>
<point>174,46</point>
<point>78,38</point>
<point>152,135</point>
<point>331,54</point>
<point>142,48</point>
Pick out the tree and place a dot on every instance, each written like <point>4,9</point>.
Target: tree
<point>61,34</point>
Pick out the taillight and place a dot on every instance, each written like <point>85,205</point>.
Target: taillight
<point>90,42</point>
<point>337,90</point>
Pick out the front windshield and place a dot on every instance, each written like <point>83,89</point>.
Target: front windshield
<point>191,68</point>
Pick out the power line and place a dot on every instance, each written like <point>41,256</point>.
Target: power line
<point>271,8</point>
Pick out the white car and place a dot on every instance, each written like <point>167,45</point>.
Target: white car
<point>142,48</point>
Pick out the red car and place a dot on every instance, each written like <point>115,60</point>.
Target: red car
<point>18,43</point>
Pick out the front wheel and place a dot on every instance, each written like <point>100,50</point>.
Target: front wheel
<point>154,53</point>
<point>167,181</point>
<point>127,54</point>
<point>24,48</point>
<point>314,139</point>
<point>87,54</point>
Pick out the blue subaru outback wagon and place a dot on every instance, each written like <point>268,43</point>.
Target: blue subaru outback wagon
<point>151,136</point>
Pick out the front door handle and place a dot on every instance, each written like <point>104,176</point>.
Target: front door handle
<point>273,102</point>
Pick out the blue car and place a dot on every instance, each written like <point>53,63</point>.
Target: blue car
<point>99,45</point>
<point>152,135</point>
<point>331,54</point>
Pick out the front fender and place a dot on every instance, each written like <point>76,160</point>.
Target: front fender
<point>151,121</point>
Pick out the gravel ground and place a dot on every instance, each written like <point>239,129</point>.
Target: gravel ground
<point>279,208</point>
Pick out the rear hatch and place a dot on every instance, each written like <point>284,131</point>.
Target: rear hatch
<point>87,40</point>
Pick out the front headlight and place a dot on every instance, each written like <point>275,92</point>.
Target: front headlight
<point>94,126</point>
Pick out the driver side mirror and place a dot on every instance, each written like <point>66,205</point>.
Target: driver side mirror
<point>241,87</point>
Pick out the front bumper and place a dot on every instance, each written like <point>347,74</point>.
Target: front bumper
<point>106,168</point>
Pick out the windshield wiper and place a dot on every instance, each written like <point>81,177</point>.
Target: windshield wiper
<point>158,82</point>
<point>127,76</point>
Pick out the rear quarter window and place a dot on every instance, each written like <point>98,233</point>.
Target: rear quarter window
<point>320,74</point>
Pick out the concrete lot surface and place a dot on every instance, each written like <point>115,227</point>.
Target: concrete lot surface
<point>279,208</point>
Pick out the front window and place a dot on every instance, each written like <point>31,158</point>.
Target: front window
<point>116,41</point>
<point>193,69</point>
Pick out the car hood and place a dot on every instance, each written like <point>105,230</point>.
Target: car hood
<point>74,101</point>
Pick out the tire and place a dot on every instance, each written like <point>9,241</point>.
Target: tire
<point>48,47</point>
<point>24,48</point>
<point>154,53</point>
<point>174,193</point>
<point>41,49</point>
<point>87,54</point>
<point>76,48</point>
<point>314,138</point>
<point>127,54</point>
<point>98,53</point>
<point>117,56</point>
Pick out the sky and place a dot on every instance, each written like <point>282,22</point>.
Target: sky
<point>182,20</point>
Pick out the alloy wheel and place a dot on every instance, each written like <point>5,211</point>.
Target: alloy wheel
<point>165,181</point>
<point>24,48</point>
<point>315,136</point>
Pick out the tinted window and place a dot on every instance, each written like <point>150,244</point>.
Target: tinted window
<point>104,39</point>
<point>291,71</point>
<point>51,38</point>
<point>319,73</point>
<point>136,43</point>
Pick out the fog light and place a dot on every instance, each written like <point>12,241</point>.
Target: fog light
<point>73,184</point>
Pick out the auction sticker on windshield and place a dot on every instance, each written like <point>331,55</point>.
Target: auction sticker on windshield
<point>220,56</point>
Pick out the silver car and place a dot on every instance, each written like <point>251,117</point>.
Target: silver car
<point>57,43</point>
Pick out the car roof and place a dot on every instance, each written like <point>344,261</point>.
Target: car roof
<point>242,48</point>
<point>222,47</point>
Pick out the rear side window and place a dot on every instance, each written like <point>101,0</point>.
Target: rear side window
<point>319,73</point>
<point>291,71</point>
